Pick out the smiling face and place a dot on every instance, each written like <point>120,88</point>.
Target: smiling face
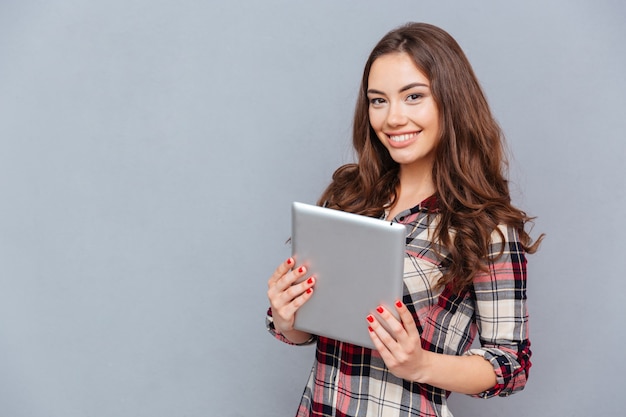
<point>403,112</point>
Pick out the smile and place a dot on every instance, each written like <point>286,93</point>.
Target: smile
<point>403,137</point>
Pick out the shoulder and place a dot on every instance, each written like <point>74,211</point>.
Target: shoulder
<point>421,241</point>
<point>505,239</point>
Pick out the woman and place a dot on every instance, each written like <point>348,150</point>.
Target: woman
<point>430,156</point>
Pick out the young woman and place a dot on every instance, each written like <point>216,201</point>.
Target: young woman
<point>430,156</point>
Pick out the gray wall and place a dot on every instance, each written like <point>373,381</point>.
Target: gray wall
<point>149,151</point>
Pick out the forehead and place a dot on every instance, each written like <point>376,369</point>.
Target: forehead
<point>395,69</point>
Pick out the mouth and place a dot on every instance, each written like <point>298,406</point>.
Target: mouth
<point>403,137</point>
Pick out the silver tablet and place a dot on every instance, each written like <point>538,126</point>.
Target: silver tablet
<point>358,263</point>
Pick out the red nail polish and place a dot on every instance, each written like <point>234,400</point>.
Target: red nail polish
<point>310,280</point>
<point>289,261</point>
<point>370,329</point>
<point>300,270</point>
<point>379,309</point>
<point>308,291</point>
<point>370,319</point>
<point>399,304</point>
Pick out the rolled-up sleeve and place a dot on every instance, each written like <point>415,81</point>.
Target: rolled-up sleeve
<point>269,324</point>
<point>502,316</point>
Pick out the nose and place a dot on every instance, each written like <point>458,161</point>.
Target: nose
<point>396,115</point>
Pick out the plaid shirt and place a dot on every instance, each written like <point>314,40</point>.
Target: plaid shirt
<point>353,381</point>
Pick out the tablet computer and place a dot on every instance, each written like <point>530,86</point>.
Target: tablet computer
<point>358,263</point>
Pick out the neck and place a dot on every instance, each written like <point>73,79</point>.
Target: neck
<point>415,185</point>
<point>416,180</point>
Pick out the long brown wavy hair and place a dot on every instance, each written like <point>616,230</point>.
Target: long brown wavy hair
<point>470,163</point>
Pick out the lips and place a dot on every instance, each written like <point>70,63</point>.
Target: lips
<point>401,140</point>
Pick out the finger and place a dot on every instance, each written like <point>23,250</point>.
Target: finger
<point>386,339</point>
<point>407,319</point>
<point>383,342</point>
<point>296,275</point>
<point>287,279</point>
<point>305,296</point>
<point>280,297</point>
<point>282,269</point>
<point>378,344</point>
<point>287,311</point>
<point>393,324</point>
<point>296,290</point>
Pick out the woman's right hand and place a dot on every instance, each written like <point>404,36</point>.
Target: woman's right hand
<point>286,297</point>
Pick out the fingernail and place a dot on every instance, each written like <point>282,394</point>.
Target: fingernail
<point>310,280</point>
<point>399,303</point>
<point>370,329</point>
<point>301,270</point>
<point>289,261</point>
<point>380,309</point>
<point>370,318</point>
<point>309,291</point>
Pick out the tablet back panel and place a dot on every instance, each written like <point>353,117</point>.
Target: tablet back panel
<point>358,264</point>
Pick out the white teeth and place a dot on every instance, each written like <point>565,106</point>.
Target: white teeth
<point>401,138</point>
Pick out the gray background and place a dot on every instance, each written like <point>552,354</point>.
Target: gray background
<point>149,151</point>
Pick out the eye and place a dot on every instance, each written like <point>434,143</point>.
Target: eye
<point>414,97</point>
<point>377,101</point>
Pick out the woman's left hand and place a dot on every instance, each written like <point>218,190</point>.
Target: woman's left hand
<point>401,346</point>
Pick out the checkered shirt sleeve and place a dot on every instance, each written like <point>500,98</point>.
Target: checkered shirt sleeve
<point>502,316</point>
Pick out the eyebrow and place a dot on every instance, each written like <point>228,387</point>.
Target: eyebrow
<point>406,87</point>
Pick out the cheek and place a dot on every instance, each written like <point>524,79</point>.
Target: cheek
<point>427,118</point>
<point>376,120</point>
<point>433,115</point>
